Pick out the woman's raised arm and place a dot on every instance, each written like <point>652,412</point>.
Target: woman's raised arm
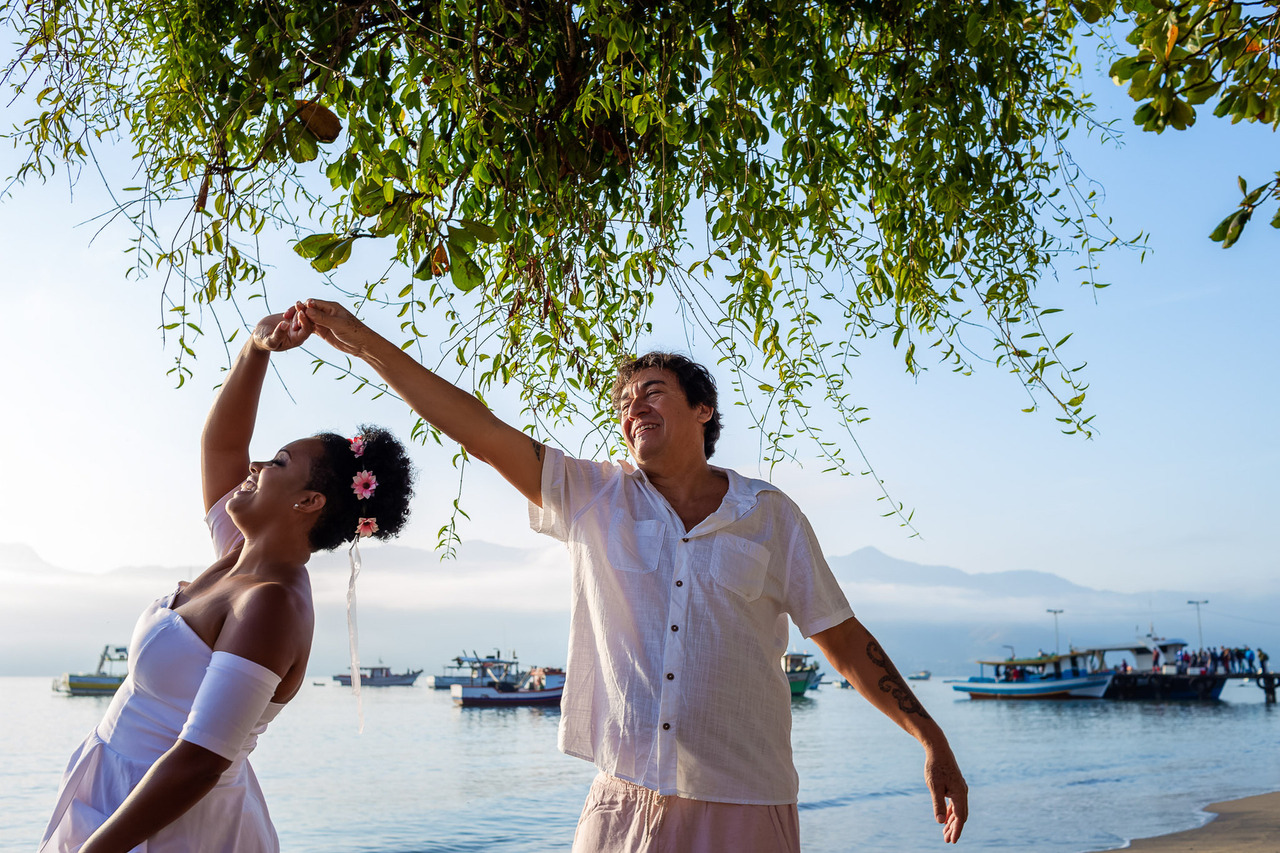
<point>224,444</point>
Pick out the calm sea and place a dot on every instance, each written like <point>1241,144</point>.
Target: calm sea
<point>426,776</point>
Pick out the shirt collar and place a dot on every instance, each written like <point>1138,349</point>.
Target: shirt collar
<point>740,499</point>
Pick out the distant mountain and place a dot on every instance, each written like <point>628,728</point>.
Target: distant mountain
<point>416,610</point>
<point>869,564</point>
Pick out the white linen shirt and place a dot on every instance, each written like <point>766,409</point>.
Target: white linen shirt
<point>674,678</point>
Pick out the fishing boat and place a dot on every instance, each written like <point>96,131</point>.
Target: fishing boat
<point>380,676</point>
<point>473,669</point>
<point>1046,676</point>
<point>921,675</point>
<point>541,686</point>
<point>801,672</point>
<point>103,681</point>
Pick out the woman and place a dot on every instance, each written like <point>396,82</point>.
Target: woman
<point>211,664</point>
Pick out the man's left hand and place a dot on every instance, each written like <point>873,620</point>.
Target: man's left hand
<point>950,793</point>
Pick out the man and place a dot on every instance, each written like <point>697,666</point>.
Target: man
<point>684,575</point>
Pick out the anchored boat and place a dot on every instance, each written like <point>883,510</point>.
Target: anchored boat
<point>1155,673</point>
<point>380,676</point>
<point>1056,676</point>
<point>542,686</point>
<point>102,682</point>
<point>801,672</point>
<point>473,669</point>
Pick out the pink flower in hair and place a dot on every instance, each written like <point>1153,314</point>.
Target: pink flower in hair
<point>363,484</point>
<point>357,446</point>
<point>367,527</point>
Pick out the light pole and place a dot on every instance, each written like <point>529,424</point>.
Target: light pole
<point>1055,628</point>
<point>1199,629</point>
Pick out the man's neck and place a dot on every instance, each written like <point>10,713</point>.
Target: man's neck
<point>694,491</point>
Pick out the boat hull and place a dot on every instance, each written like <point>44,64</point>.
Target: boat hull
<point>446,682</point>
<point>404,679</point>
<point>88,685</point>
<point>1081,687</point>
<point>803,681</point>
<point>474,696</point>
<point>1166,686</point>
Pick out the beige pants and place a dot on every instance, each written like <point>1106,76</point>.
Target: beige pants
<point>620,817</point>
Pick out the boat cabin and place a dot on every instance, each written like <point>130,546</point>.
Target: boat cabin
<point>1073,664</point>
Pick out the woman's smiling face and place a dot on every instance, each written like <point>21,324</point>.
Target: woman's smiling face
<point>276,484</point>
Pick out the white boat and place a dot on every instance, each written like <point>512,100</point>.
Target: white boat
<point>1047,676</point>
<point>922,675</point>
<point>473,669</point>
<point>802,673</point>
<point>103,682</point>
<point>541,686</point>
<point>380,676</point>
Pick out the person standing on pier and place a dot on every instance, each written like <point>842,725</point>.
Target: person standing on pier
<point>683,577</point>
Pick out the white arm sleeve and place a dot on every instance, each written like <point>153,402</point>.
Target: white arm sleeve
<point>229,703</point>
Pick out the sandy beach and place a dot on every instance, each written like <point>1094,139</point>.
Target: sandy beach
<point>1250,825</point>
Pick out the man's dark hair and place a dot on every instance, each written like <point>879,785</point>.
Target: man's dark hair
<point>695,381</point>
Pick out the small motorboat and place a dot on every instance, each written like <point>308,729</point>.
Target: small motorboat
<point>542,686</point>
<point>380,676</point>
<point>801,672</point>
<point>102,682</point>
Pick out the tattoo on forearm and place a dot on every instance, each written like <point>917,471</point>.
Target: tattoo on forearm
<point>537,449</point>
<point>891,682</point>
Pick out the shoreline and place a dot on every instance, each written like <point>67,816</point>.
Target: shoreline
<point>1247,825</point>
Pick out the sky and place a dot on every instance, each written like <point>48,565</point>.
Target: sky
<point>1176,490</point>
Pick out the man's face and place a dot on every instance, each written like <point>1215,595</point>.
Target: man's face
<point>656,417</point>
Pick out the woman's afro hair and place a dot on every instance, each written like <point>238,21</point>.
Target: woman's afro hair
<point>333,476</point>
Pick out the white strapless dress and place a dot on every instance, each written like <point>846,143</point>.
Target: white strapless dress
<point>167,662</point>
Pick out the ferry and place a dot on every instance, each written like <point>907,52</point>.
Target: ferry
<point>541,686</point>
<point>1156,674</point>
<point>1046,676</point>
<point>102,682</point>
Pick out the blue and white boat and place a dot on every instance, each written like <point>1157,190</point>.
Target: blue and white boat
<point>1047,676</point>
<point>473,670</point>
<point>541,686</point>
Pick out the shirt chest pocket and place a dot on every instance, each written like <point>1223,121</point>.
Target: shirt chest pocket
<point>634,546</point>
<point>739,565</point>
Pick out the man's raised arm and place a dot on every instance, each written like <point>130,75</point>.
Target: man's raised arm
<point>456,413</point>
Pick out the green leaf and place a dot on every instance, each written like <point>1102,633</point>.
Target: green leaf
<point>315,245</point>
<point>333,256</point>
<point>464,272</point>
<point>479,231</point>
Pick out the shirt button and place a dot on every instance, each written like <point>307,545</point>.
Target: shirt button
<point>679,583</point>
<point>686,539</point>
<point>670,676</point>
<point>666,726</point>
<point>675,627</point>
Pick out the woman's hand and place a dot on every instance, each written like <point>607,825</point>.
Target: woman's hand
<point>280,332</point>
<point>338,327</point>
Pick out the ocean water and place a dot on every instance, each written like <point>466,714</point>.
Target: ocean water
<point>426,776</point>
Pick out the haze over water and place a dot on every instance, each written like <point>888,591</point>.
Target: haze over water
<point>427,777</point>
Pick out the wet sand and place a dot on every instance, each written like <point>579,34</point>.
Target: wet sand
<point>1251,825</point>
